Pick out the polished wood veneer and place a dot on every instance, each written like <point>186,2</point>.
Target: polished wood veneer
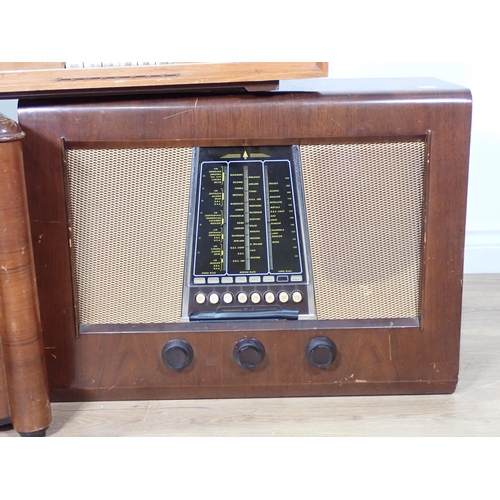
<point>23,382</point>
<point>375,358</point>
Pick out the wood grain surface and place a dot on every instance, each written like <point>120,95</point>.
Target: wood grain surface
<point>26,79</point>
<point>20,328</point>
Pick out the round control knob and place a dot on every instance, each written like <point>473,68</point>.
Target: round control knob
<point>283,297</point>
<point>200,298</point>
<point>242,298</point>
<point>177,354</point>
<point>321,352</point>
<point>269,297</point>
<point>297,296</point>
<point>227,298</point>
<point>213,298</point>
<point>255,297</point>
<point>249,353</point>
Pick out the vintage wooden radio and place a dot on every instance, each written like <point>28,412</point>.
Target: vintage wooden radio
<point>250,244</point>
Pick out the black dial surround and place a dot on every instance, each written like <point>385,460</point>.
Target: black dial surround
<point>247,238</point>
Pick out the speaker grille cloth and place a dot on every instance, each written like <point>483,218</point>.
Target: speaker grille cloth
<point>364,210</point>
<point>129,210</point>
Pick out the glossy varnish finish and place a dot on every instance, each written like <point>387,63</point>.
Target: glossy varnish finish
<point>24,376</point>
<point>380,359</point>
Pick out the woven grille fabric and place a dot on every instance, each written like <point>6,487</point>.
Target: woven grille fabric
<point>129,210</point>
<point>364,209</point>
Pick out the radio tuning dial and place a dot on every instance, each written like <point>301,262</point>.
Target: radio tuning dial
<point>321,352</point>
<point>177,354</point>
<point>249,353</point>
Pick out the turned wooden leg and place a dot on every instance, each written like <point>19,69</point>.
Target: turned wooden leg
<point>20,328</point>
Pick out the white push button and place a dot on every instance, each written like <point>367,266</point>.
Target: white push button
<point>227,298</point>
<point>213,298</point>
<point>269,297</point>
<point>255,298</point>
<point>283,297</point>
<point>297,296</point>
<point>242,298</point>
<point>200,298</point>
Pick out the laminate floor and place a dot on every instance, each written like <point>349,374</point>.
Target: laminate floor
<point>473,410</point>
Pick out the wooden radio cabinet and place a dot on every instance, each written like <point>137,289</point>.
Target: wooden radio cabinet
<point>250,244</point>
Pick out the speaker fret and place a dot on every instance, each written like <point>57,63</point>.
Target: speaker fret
<point>128,211</point>
<point>364,209</point>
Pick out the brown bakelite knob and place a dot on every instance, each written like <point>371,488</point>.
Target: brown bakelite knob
<point>321,352</point>
<point>249,353</point>
<point>177,354</point>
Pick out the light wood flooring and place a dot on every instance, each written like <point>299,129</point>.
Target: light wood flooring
<point>473,410</point>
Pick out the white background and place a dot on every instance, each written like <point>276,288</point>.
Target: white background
<point>450,40</point>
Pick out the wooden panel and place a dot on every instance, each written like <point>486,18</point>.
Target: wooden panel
<point>4,396</point>
<point>17,81</point>
<point>30,66</point>
<point>381,359</point>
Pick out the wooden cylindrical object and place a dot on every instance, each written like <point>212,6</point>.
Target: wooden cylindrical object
<point>20,327</point>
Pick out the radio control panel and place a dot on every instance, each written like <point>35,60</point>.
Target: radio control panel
<point>247,252</point>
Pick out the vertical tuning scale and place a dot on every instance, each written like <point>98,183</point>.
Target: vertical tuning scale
<point>247,252</point>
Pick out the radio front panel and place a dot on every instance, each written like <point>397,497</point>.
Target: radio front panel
<point>260,245</point>
<point>236,243</point>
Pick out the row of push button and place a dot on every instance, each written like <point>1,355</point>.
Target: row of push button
<point>254,297</point>
<point>215,280</point>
